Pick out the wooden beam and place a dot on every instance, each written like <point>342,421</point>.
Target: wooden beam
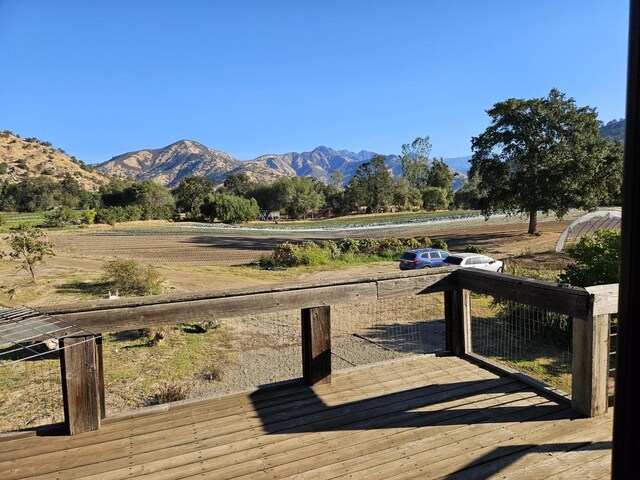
<point>590,365</point>
<point>157,314</point>
<point>316,345</point>
<point>80,383</point>
<point>572,301</point>
<point>406,287</point>
<point>457,307</point>
<point>131,302</point>
<point>606,298</point>
<point>100,376</point>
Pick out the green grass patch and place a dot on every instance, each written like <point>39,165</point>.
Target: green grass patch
<point>12,219</point>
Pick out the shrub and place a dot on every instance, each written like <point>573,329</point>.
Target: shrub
<point>89,215</point>
<point>474,249</point>
<point>368,246</point>
<point>310,253</point>
<point>331,247</point>
<point>389,246</point>
<point>155,212</point>
<point>168,392</point>
<point>106,215</point>
<point>130,277</point>
<point>113,215</point>
<point>61,217</point>
<point>441,244</point>
<point>597,260</point>
<point>284,255</point>
<point>410,243</point>
<point>425,242</point>
<point>349,245</point>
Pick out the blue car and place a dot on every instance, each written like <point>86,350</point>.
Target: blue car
<point>422,258</point>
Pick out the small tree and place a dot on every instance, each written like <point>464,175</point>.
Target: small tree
<point>30,246</point>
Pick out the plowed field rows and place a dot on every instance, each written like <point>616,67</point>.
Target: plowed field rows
<point>227,248</point>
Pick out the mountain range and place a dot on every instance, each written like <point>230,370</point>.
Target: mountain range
<point>186,157</point>
<point>28,157</point>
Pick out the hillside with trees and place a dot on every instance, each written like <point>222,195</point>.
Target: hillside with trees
<point>614,129</point>
<point>29,158</point>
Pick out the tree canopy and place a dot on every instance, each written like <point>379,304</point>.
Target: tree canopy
<point>543,154</point>
<point>191,193</point>
<point>415,161</point>
<point>372,185</point>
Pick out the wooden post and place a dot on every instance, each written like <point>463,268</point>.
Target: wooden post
<point>590,364</point>
<point>100,372</point>
<point>316,345</point>
<point>457,314</point>
<point>80,383</point>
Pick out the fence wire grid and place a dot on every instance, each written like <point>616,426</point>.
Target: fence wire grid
<point>146,367</point>
<point>532,340</point>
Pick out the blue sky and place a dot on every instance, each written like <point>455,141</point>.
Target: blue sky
<point>101,78</point>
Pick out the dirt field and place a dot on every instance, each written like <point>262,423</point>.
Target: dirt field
<point>212,260</point>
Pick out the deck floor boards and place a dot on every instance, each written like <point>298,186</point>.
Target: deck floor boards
<point>427,417</point>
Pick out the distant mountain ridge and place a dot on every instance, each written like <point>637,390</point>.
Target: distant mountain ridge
<point>186,157</point>
<point>169,164</point>
<point>614,129</point>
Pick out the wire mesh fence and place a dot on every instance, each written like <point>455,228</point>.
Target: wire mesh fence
<point>146,367</point>
<point>151,366</point>
<point>387,329</point>
<point>532,340</point>
<point>31,393</point>
<point>30,374</point>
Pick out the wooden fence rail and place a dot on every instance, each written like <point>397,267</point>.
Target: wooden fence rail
<point>587,308</point>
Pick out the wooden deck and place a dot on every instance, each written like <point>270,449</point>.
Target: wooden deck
<point>428,417</point>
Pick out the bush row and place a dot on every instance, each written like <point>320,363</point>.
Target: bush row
<point>131,213</point>
<point>312,253</point>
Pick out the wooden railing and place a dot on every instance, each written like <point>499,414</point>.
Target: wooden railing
<point>590,310</point>
<point>82,365</point>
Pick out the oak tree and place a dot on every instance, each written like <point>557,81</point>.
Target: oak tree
<point>543,154</point>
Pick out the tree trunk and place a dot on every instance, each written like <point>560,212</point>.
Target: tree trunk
<point>533,221</point>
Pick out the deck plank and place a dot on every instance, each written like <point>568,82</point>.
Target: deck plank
<point>426,417</point>
<point>242,419</point>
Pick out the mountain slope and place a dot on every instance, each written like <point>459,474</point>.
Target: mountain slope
<point>169,164</point>
<point>29,157</point>
<point>319,163</point>
<point>614,129</point>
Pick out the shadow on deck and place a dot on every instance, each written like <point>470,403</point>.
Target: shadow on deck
<point>427,417</point>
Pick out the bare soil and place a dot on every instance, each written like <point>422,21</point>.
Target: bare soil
<point>195,262</point>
